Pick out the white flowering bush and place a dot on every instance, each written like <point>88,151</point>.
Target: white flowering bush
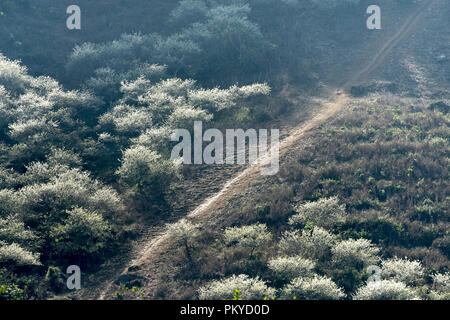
<point>441,287</point>
<point>106,82</point>
<point>355,254</point>
<point>68,189</point>
<point>315,244</point>
<point>13,230</point>
<point>183,234</point>
<point>324,213</point>
<point>212,38</point>
<point>171,104</point>
<point>224,289</point>
<point>146,174</point>
<point>16,255</point>
<point>64,157</point>
<point>218,99</point>
<point>37,112</point>
<point>68,206</point>
<point>251,237</point>
<point>385,290</point>
<point>128,120</point>
<point>288,268</point>
<point>403,270</point>
<point>58,163</point>
<point>315,288</point>
<point>182,230</point>
<point>82,233</point>
<point>13,75</point>
<point>8,202</point>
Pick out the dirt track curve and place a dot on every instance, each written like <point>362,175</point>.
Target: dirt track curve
<point>206,210</point>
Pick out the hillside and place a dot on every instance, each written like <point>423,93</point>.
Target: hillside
<point>89,177</point>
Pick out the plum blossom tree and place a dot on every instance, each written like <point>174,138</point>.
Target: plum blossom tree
<point>17,256</point>
<point>324,213</point>
<point>385,290</point>
<point>249,289</point>
<point>288,268</point>
<point>183,234</point>
<point>441,287</point>
<point>250,237</point>
<point>146,174</point>
<point>355,254</point>
<point>315,288</point>
<point>403,270</point>
<point>315,244</point>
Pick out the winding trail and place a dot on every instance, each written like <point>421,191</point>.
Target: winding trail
<point>337,102</point>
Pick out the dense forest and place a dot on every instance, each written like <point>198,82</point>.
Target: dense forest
<point>358,210</point>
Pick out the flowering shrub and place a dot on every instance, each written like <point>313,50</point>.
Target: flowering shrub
<point>252,237</point>
<point>146,174</point>
<point>355,254</point>
<point>324,213</point>
<point>18,256</point>
<point>82,233</point>
<point>288,268</point>
<point>385,290</point>
<point>316,288</point>
<point>315,244</point>
<point>441,287</point>
<point>249,289</point>
<point>403,270</point>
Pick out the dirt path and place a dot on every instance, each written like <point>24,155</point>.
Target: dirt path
<point>147,254</point>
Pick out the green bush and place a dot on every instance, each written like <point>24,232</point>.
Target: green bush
<point>83,233</point>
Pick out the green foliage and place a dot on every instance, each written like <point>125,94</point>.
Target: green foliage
<point>237,295</point>
<point>83,233</point>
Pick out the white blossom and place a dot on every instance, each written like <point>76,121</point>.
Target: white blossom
<point>316,288</point>
<point>224,289</point>
<point>385,290</point>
